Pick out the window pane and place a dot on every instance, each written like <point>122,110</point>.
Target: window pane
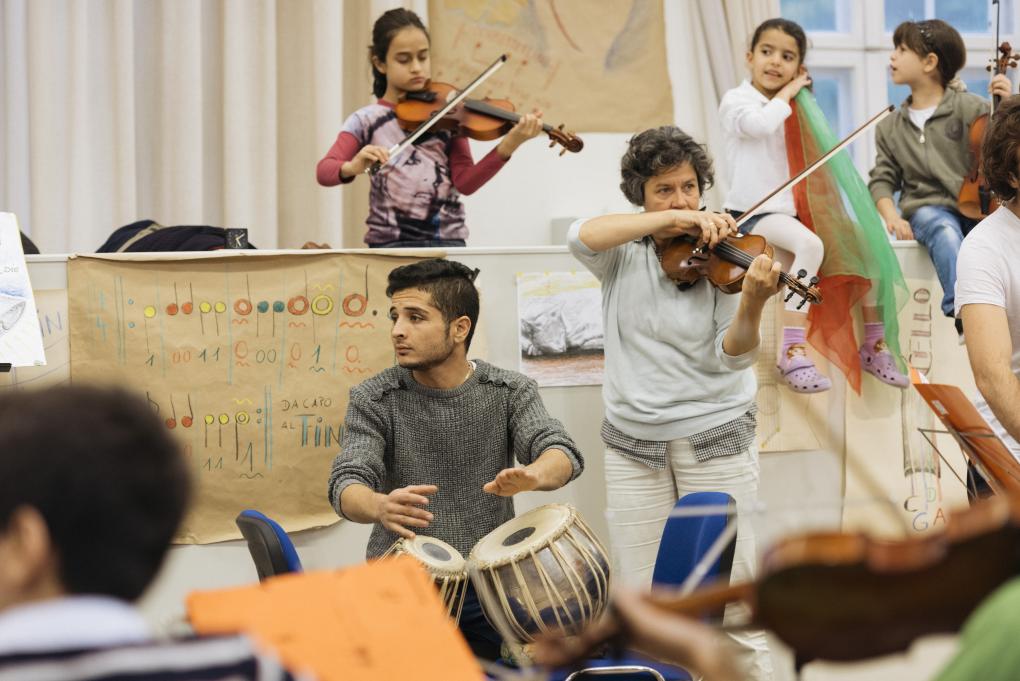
<point>976,81</point>
<point>966,16</point>
<point>898,11</point>
<point>832,92</point>
<point>813,15</point>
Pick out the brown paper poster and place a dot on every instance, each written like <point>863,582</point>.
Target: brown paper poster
<point>248,360</point>
<point>51,306</point>
<point>895,482</point>
<point>789,421</point>
<point>596,71</point>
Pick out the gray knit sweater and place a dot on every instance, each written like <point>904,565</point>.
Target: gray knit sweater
<point>398,432</point>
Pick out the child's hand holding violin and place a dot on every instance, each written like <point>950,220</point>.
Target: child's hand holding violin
<point>529,126</point>
<point>363,160</point>
<point>1000,86</point>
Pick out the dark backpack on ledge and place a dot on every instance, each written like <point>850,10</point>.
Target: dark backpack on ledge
<point>147,236</point>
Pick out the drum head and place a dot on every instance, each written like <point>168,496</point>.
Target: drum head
<point>434,553</point>
<point>534,529</point>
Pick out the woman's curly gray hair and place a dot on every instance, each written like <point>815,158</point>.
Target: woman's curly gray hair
<point>658,150</point>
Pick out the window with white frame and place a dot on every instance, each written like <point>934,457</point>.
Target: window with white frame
<point>850,42</point>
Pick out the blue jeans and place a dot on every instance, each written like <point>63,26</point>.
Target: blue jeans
<point>483,639</point>
<point>941,231</point>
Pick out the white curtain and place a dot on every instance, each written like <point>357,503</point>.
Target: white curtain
<point>216,111</point>
<point>183,111</point>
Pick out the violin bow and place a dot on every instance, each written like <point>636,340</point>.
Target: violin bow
<point>396,149</point>
<point>818,163</point>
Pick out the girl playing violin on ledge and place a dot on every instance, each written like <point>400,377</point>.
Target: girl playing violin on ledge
<point>414,202</point>
<point>679,381</point>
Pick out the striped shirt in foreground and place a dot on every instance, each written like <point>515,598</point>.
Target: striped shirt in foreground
<point>194,659</point>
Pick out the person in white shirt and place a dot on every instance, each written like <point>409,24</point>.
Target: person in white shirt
<point>753,116</point>
<point>92,489</point>
<point>988,282</point>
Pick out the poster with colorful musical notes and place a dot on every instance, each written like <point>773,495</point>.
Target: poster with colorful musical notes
<point>248,359</point>
<point>575,64</point>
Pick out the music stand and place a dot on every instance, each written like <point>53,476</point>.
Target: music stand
<point>5,367</point>
<point>972,433</point>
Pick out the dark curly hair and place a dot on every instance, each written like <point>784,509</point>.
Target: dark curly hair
<point>790,28</point>
<point>104,472</point>
<point>386,26</point>
<point>934,36</point>
<point>999,149</point>
<point>450,284</point>
<point>658,150</point>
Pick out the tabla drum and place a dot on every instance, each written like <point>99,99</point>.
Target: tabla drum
<point>544,571</point>
<point>444,564</point>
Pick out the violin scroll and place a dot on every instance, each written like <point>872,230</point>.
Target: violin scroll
<point>1007,59</point>
<point>568,140</point>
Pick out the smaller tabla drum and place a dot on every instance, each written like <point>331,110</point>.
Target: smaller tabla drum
<point>544,570</point>
<point>444,564</point>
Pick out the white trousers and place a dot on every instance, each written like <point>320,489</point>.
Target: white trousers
<point>794,237</point>
<point>638,501</point>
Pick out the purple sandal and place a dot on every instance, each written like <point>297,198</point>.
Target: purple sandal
<point>879,362</point>
<point>800,373</point>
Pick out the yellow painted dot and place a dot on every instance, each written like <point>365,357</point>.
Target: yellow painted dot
<point>209,418</point>
<point>224,419</point>
<point>220,306</point>
<point>150,311</point>
<point>204,306</point>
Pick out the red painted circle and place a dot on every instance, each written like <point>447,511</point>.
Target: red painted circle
<point>292,305</point>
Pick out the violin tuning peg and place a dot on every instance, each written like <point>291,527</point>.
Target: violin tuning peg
<point>552,143</point>
<point>801,273</point>
<point>801,303</point>
<point>813,280</point>
<point>788,296</point>
<point>563,151</point>
<point>560,126</point>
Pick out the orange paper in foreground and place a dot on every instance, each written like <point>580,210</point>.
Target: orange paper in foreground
<point>381,620</point>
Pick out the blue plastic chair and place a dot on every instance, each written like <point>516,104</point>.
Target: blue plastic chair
<point>685,540</point>
<point>270,546</point>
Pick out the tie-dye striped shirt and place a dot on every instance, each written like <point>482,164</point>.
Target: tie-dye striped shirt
<point>417,196</point>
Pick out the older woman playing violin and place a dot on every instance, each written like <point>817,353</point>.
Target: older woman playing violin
<point>679,382</point>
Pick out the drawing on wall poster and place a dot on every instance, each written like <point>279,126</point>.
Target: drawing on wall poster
<point>561,336</point>
<point>21,341</point>
<point>573,63</point>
